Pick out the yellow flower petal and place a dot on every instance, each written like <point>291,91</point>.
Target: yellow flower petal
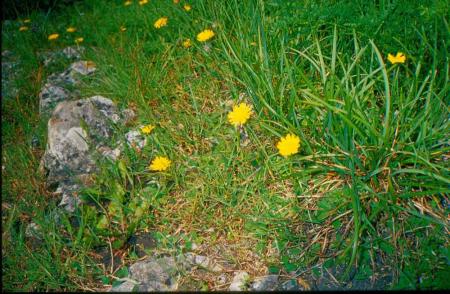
<point>147,129</point>
<point>71,29</point>
<point>27,20</point>
<point>161,22</point>
<point>187,43</point>
<point>288,145</point>
<point>160,163</point>
<point>23,28</point>
<point>399,58</point>
<point>240,114</point>
<point>79,40</point>
<point>187,7</point>
<point>143,2</point>
<point>205,35</point>
<point>53,37</point>
<point>123,29</point>
<point>127,3</point>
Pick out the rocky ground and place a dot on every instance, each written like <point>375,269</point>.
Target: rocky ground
<point>80,130</point>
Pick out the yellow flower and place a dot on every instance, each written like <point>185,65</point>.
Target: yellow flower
<point>161,22</point>
<point>123,29</point>
<point>240,114</point>
<point>399,58</point>
<point>205,35</point>
<point>126,3</point>
<point>176,1</point>
<point>147,129</point>
<point>23,28</point>
<point>27,20</point>
<point>71,29</point>
<point>187,43</point>
<point>160,163</point>
<point>79,40</point>
<point>288,145</point>
<point>142,2</point>
<point>53,37</point>
<point>187,7</point>
<point>253,43</point>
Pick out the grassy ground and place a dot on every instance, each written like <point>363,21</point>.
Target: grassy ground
<point>368,188</point>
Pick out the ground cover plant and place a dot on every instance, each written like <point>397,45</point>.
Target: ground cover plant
<point>293,134</point>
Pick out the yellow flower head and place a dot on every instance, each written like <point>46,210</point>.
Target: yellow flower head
<point>127,3</point>
<point>399,58</point>
<point>176,1</point>
<point>205,35</point>
<point>143,2</point>
<point>123,29</point>
<point>53,37</point>
<point>187,43</point>
<point>187,7</point>
<point>160,163</point>
<point>27,20</point>
<point>161,22</point>
<point>23,28</point>
<point>79,40</point>
<point>147,129</point>
<point>240,114</point>
<point>71,29</point>
<point>288,145</point>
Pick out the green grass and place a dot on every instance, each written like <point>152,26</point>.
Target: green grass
<point>370,182</point>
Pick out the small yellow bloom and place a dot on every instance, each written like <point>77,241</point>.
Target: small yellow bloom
<point>253,43</point>
<point>160,163</point>
<point>399,58</point>
<point>143,2</point>
<point>79,40</point>
<point>176,1</point>
<point>27,20</point>
<point>240,114</point>
<point>71,29</point>
<point>205,35</point>
<point>23,28</point>
<point>147,129</point>
<point>288,145</point>
<point>187,7</point>
<point>123,29</point>
<point>53,37</point>
<point>187,43</point>
<point>127,3</point>
<point>161,22</point>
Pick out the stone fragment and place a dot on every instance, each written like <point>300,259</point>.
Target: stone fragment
<point>239,282</point>
<point>265,283</point>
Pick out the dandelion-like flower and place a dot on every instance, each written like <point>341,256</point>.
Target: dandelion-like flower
<point>53,37</point>
<point>288,145</point>
<point>127,3</point>
<point>123,29</point>
<point>71,29</point>
<point>79,40</point>
<point>147,129</point>
<point>161,22</point>
<point>399,58</point>
<point>205,35</point>
<point>160,163</point>
<point>240,114</point>
<point>27,20</point>
<point>23,28</point>
<point>187,43</point>
<point>187,7</point>
<point>143,2</point>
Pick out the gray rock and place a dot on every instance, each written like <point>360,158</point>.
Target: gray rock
<point>266,283</point>
<point>50,95</point>
<point>33,230</point>
<point>135,138</point>
<point>126,286</point>
<point>239,282</point>
<point>75,130</point>
<point>83,67</point>
<point>202,261</point>
<point>156,274</point>
<point>291,285</point>
<point>73,52</point>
